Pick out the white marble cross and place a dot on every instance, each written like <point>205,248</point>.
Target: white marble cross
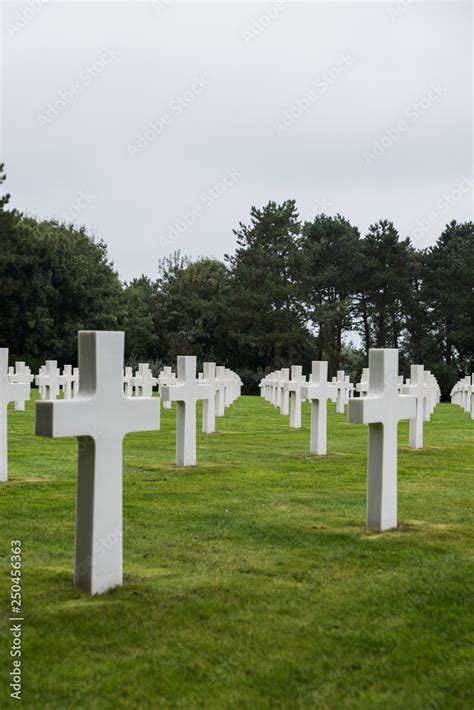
<point>38,378</point>
<point>186,392</point>
<point>48,381</point>
<point>284,397</point>
<point>100,416</point>
<point>127,382</point>
<point>471,396</point>
<point>362,387</point>
<point>75,381</point>
<point>66,380</point>
<point>166,377</point>
<point>416,387</point>
<point>9,392</point>
<point>297,381</point>
<point>143,382</point>
<point>216,388</point>
<point>318,391</point>
<point>220,394</point>
<point>277,389</point>
<point>348,389</point>
<point>341,387</point>
<point>382,409</point>
<point>428,403</point>
<point>22,375</point>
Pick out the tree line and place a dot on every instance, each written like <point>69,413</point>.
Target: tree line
<point>291,292</point>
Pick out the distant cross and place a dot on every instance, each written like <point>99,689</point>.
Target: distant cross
<point>144,381</point>
<point>382,409</point>
<point>186,392</point>
<point>220,392</point>
<point>341,387</point>
<point>284,394</point>
<point>66,380</point>
<point>100,416</point>
<point>297,381</point>
<point>318,391</point>
<point>416,387</point>
<point>209,405</point>
<point>75,381</point>
<point>49,380</point>
<point>471,396</point>
<point>9,392</point>
<point>166,377</point>
<point>362,387</point>
<point>429,401</point>
<point>127,382</point>
<point>229,392</point>
<point>277,389</point>
<point>348,389</point>
<point>38,378</point>
<point>22,375</point>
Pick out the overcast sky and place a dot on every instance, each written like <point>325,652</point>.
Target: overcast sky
<point>158,124</point>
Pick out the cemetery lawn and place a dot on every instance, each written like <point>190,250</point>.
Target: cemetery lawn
<point>249,581</point>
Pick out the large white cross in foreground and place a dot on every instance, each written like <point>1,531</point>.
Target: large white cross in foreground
<point>319,390</point>
<point>100,416</point>
<point>382,409</point>
<point>9,392</point>
<point>186,392</point>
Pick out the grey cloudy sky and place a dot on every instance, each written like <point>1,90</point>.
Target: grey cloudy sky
<point>158,124</point>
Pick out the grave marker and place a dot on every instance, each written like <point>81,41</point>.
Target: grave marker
<point>99,416</point>
<point>9,392</point>
<point>382,409</point>
<point>186,392</point>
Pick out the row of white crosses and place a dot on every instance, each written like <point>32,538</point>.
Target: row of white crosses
<point>50,381</point>
<point>462,394</point>
<point>100,416</point>
<point>284,390</point>
<point>384,400</point>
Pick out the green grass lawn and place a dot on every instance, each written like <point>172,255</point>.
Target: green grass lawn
<point>250,581</point>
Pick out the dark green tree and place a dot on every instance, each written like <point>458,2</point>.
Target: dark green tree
<point>449,276</point>
<point>191,306</point>
<point>54,281</point>
<point>144,332</point>
<point>327,277</point>
<point>385,278</point>
<point>266,324</point>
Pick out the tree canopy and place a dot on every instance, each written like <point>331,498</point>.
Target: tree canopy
<point>290,293</point>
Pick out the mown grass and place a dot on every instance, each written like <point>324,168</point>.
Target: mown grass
<point>250,581</point>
